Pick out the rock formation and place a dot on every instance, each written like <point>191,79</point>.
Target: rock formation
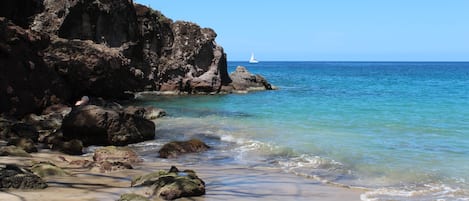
<point>27,84</point>
<point>103,49</point>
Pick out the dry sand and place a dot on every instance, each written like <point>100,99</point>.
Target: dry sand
<point>222,183</point>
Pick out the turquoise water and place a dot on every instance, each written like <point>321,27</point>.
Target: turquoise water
<point>399,129</point>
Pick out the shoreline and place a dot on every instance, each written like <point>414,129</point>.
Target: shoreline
<point>223,182</point>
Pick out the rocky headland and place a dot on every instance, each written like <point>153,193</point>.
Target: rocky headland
<point>54,52</point>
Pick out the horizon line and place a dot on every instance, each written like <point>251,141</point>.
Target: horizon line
<point>377,61</point>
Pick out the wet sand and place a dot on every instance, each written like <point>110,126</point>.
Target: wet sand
<point>222,183</point>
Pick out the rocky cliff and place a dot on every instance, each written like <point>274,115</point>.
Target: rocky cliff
<point>64,49</point>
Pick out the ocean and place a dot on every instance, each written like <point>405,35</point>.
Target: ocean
<point>398,129</point>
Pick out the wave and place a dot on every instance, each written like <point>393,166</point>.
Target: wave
<point>438,192</point>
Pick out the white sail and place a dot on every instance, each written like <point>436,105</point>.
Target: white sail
<point>253,60</point>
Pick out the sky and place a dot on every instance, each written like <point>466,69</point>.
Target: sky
<point>332,30</point>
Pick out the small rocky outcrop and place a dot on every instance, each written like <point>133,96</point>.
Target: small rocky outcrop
<point>243,80</point>
<point>95,125</point>
<point>12,176</point>
<point>172,184</point>
<point>176,148</point>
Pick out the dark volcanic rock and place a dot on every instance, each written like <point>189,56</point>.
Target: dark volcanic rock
<point>95,125</point>
<point>21,12</point>
<point>173,149</point>
<point>27,84</point>
<point>92,69</point>
<point>12,176</point>
<point>196,63</point>
<point>103,48</point>
<point>110,22</point>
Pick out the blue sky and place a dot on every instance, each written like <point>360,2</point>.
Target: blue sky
<point>333,30</point>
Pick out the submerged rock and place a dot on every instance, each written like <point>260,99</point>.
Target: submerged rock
<point>95,125</point>
<point>172,184</point>
<point>176,148</point>
<point>12,176</point>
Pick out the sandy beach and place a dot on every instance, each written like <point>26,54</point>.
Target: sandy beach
<point>222,183</point>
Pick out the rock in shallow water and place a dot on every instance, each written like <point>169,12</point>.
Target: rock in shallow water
<point>176,148</point>
<point>243,80</point>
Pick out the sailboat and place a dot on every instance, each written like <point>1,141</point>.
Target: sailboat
<point>253,60</point>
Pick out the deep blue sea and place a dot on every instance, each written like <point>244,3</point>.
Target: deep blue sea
<point>399,129</point>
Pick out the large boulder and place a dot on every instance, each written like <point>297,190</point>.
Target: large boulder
<point>12,176</point>
<point>176,148</point>
<point>95,125</point>
<point>27,84</point>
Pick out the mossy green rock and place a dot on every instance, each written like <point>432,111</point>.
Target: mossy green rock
<point>13,151</point>
<point>172,184</point>
<point>47,169</point>
<point>133,197</point>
